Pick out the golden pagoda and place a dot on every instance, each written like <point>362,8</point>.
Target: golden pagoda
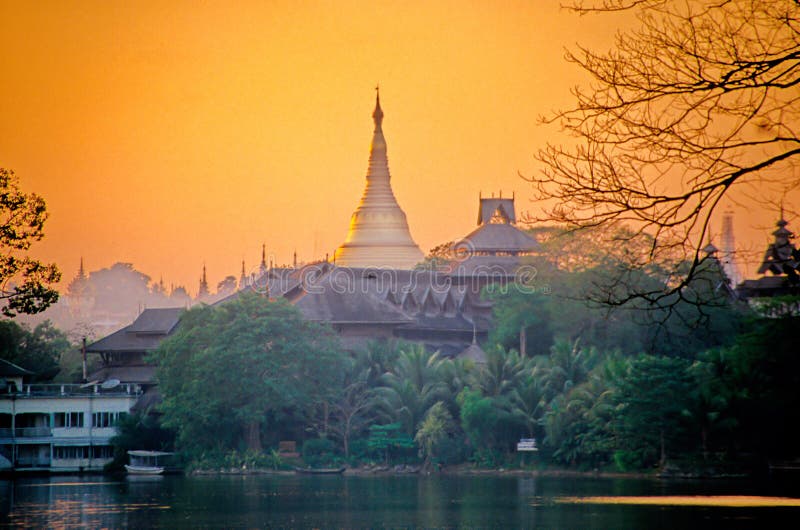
<point>379,234</point>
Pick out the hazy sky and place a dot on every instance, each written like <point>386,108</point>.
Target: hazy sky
<point>172,134</point>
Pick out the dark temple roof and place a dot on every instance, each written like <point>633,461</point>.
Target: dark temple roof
<point>348,295</point>
<point>9,369</point>
<point>160,321</point>
<point>127,374</point>
<point>144,334</point>
<point>497,238</point>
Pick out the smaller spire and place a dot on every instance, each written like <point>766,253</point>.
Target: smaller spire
<point>202,292</point>
<point>294,260</point>
<point>263,257</point>
<point>243,277</point>
<point>81,273</point>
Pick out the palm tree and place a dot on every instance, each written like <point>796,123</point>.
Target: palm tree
<point>527,403</point>
<point>411,388</point>
<point>567,366</point>
<point>502,372</point>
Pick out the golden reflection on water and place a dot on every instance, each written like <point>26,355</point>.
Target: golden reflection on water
<point>63,514</point>
<point>735,501</point>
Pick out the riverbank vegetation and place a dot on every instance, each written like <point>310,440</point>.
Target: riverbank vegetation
<point>704,386</point>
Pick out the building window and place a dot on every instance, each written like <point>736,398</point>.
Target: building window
<point>83,452</point>
<point>106,419</point>
<point>68,419</point>
<point>102,451</point>
<point>71,453</point>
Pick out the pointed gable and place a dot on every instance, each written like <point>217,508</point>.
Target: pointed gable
<point>496,210</point>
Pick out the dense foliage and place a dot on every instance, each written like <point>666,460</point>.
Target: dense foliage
<point>38,350</point>
<point>241,372</point>
<point>704,384</point>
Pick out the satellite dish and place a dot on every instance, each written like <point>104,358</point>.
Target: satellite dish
<point>109,384</point>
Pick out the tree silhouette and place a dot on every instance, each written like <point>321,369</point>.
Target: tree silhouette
<point>24,282</point>
<point>699,100</point>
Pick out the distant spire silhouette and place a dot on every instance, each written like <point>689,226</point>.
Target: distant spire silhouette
<point>203,292</point>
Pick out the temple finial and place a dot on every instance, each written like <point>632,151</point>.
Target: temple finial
<point>377,114</point>
<point>263,255</point>
<point>202,291</point>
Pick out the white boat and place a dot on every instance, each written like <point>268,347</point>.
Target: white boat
<point>146,462</point>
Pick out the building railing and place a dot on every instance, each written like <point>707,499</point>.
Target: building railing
<point>32,461</point>
<point>33,432</point>
<point>26,432</point>
<point>50,390</point>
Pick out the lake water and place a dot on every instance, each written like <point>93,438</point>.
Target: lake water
<point>392,502</point>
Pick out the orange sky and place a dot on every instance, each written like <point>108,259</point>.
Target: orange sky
<point>172,134</point>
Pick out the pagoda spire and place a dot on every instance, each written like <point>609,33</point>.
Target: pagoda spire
<point>379,234</point>
<point>243,278</point>
<point>203,292</point>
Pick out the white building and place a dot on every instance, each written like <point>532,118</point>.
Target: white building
<point>53,427</point>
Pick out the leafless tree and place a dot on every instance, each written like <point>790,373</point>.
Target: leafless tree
<point>701,99</point>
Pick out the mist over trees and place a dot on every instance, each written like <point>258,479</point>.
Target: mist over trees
<point>698,101</point>
<point>104,300</point>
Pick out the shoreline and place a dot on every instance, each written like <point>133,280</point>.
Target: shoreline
<point>456,471</point>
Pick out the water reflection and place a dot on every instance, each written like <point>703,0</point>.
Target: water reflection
<point>748,501</point>
<point>379,502</point>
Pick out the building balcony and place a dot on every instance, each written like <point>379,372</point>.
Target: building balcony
<point>26,432</point>
<point>32,461</point>
<point>33,432</point>
<point>71,390</point>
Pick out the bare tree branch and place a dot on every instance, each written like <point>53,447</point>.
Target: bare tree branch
<point>701,99</point>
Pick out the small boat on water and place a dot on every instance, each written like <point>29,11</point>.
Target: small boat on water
<point>319,471</point>
<point>147,462</point>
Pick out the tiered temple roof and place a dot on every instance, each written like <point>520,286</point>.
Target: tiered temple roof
<point>496,234</point>
<point>782,260</point>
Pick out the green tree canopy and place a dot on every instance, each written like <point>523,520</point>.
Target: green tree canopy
<point>38,350</point>
<point>229,369</point>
